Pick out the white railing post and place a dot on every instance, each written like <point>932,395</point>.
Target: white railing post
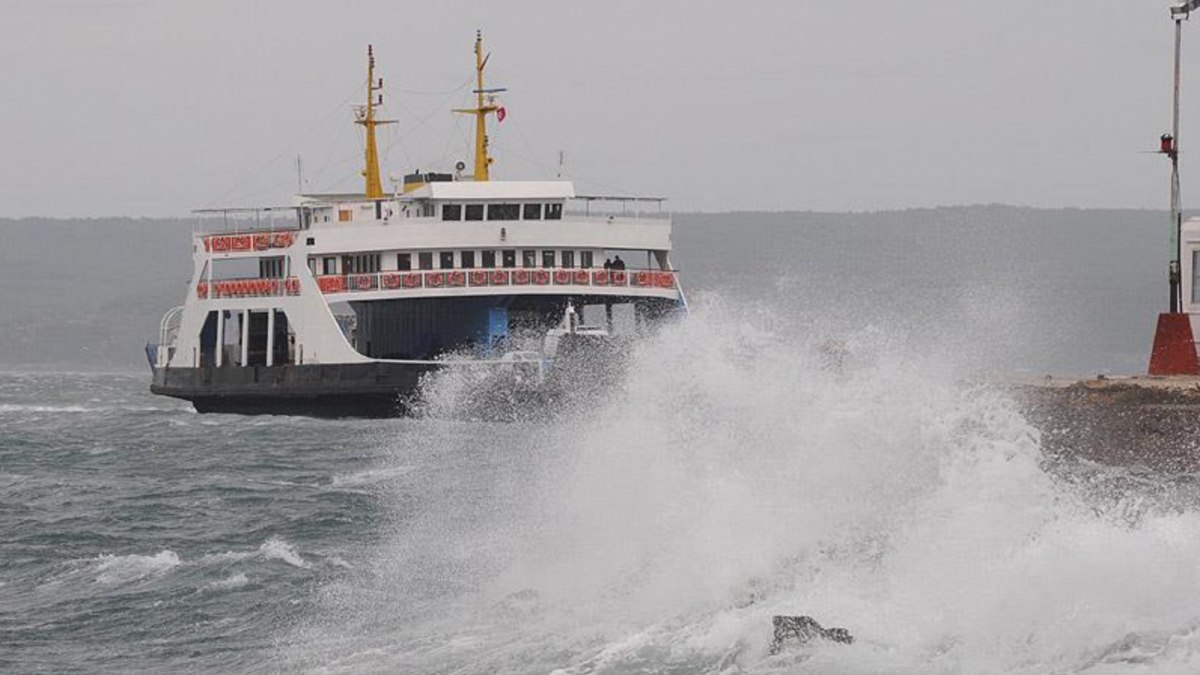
<point>271,337</point>
<point>220,360</point>
<point>245,337</point>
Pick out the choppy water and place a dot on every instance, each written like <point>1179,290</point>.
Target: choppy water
<point>729,478</point>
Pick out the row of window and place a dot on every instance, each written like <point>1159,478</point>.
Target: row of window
<point>489,259</point>
<point>370,263</point>
<point>502,211</point>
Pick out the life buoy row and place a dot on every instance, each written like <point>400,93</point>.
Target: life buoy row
<point>239,288</point>
<point>505,277</point>
<point>238,243</point>
<point>652,278</point>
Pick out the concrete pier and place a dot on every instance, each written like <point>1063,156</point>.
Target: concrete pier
<point>1127,421</point>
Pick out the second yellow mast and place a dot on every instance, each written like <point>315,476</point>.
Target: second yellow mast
<point>480,111</point>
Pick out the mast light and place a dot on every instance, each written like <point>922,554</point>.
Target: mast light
<point>1184,9</point>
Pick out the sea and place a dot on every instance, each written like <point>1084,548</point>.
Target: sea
<point>731,474</point>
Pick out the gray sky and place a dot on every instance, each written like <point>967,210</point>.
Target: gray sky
<point>139,107</point>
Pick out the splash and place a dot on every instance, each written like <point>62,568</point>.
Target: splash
<point>735,473</point>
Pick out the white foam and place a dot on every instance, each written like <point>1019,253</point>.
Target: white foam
<point>121,569</point>
<point>233,581</point>
<point>278,549</point>
<point>20,407</point>
<point>370,476</point>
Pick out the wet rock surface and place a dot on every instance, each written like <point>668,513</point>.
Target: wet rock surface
<point>1133,422</point>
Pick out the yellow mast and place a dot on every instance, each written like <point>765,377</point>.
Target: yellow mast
<point>366,117</point>
<point>480,111</point>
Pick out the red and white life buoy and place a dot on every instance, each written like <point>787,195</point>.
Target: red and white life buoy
<point>499,278</point>
<point>202,290</point>
<point>600,277</point>
<point>292,285</point>
<point>541,277</point>
<point>434,279</point>
<point>456,279</point>
<point>562,277</point>
<point>521,277</point>
<point>412,280</point>
<point>618,278</point>
<point>582,277</point>
<point>262,242</point>
<point>363,282</point>
<point>479,278</point>
<point>391,280</point>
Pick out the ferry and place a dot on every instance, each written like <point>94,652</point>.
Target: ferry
<point>341,304</point>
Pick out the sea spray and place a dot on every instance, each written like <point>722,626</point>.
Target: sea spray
<point>735,473</point>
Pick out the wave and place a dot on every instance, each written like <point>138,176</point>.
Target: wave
<point>111,569</point>
<point>274,548</point>
<point>370,477</point>
<point>737,472</point>
<point>228,583</point>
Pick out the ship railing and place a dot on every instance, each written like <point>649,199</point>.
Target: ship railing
<point>248,288</point>
<point>515,277</point>
<point>159,354</point>
<point>616,206</point>
<point>249,220</point>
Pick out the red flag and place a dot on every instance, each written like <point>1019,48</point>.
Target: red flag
<point>501,113</point>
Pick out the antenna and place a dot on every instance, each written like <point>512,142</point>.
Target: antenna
<point>562,158</point>
<point>1170,147</point>
<point>299,175</point>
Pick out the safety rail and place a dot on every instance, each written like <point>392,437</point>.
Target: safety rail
<point>523,276</point>
<point>244,243</point>
<point>248,288</point>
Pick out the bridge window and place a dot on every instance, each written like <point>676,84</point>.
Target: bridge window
<point>329,265</point>
<point>366,263</point>
<point>510,258</point>
<point>547,258</point>
<point>452,212</point>
<point>533,212</point>
<point>425,260</point>
<point>488,259</point>
<point>474,212</point>
<point>585,259</point>
<point>503,211</point>
<point>568,258</point>
<point>528,258</point>
<point>554,212</point>
<point>446,260</point>
<point>404,261</point>
<point>468,259</point>
<point>270,268</point>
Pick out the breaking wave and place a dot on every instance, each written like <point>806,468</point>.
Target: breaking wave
<point>119,569</point>
<point>741,470</point>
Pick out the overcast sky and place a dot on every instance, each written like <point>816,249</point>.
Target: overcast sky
<point>156,107</point>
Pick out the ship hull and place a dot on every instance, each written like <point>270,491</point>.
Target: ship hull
<point>379,389</point>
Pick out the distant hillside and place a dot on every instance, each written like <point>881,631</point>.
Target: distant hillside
<point>1069,290</point>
